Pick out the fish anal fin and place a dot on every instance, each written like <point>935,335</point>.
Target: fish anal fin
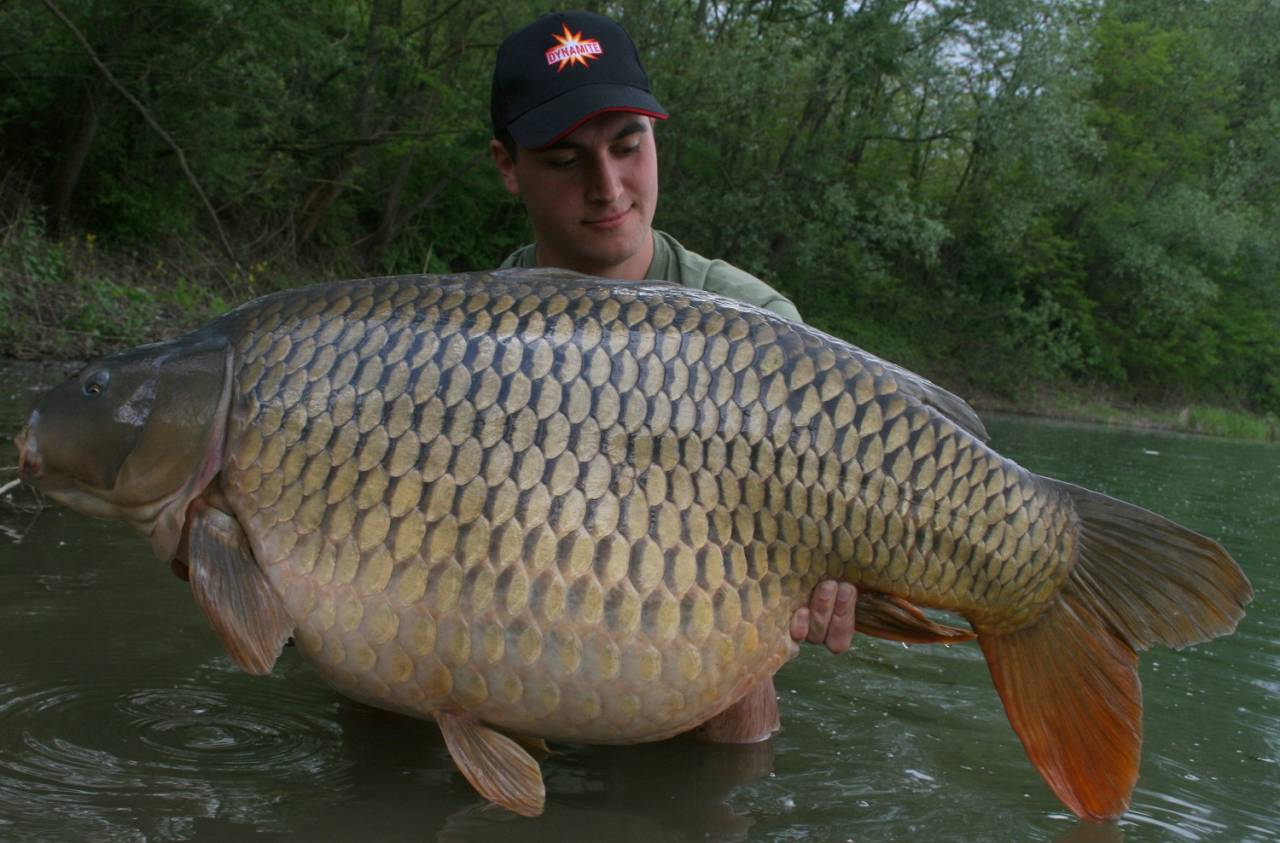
<point>232,590</point>
<point>752,719</point>
<point>497,767</point>
<point>895,619</point>
<point>1070,688</point>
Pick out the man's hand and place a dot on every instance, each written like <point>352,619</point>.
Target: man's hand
<point>828,619</point>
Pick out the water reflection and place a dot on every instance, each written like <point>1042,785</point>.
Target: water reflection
<point>670,790</point>
<point>654,792</point>
<point>1093,833</point>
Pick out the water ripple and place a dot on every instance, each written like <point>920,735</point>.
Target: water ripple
<point>95,758</point>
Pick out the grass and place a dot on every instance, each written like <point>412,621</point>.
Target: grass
<point>1232,424</point>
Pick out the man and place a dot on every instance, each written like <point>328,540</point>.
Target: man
<point>569,91</point>
<point>573,122</point>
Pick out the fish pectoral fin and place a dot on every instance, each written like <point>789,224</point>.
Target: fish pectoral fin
<point>892,618</point>
<point>233,592</point>
<point>752,719</point>
<point>497,767</point>
<point>537,747</point>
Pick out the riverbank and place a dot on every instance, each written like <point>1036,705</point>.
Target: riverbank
<point>1074,403</point>
<point>67,301</point>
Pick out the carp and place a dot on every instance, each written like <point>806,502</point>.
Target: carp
<point>533,505</point>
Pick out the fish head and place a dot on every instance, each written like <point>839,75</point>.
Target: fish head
<point>136,435</point>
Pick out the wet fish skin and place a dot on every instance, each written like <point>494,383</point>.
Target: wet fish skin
<point>580,510</point>
<point>501,497</point>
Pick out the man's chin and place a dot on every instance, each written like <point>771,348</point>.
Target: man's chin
<point>611,253</point>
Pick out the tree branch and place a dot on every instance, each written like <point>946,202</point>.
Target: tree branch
<point>156,127</point>
<point>372,139</point>
<point>901,139</point>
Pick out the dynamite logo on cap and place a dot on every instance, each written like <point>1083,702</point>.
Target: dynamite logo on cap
<point>572,48</point>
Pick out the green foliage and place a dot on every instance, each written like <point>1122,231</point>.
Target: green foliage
<point>192,297</point>
<point>30,266</point>
<point>1009,192</point>
<point>108,313</point>
<point>39,262</point>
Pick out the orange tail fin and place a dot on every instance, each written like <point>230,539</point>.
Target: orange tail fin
<point>1069,681</point>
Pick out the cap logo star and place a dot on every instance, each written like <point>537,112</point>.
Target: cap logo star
<point>572,48</point>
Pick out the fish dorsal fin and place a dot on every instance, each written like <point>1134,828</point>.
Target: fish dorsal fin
<point>892,618</point>
<point>497,767</point>
<point>929,393</point>
<point>752,719</point>
<point>233,592</point>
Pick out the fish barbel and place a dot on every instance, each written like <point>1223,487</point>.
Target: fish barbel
<point>538,504</point>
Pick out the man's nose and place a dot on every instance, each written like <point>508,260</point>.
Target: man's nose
<point>605,183</point>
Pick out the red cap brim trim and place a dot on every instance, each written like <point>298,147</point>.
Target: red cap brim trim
<point>573,128</point>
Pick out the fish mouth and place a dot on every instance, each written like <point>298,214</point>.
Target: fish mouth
<point>30,466</point>
<point>72,493</point>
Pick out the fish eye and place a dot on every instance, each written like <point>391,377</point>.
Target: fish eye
<point>96,383</point>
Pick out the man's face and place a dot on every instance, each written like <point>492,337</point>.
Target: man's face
<point>591,196</point>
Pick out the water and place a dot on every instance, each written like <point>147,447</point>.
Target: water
<point>122,719</point>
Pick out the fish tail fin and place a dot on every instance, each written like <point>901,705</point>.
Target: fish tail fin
<point>1069,681</point>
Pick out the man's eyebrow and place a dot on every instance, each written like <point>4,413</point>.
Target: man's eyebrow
<point>632,127</point>
<point>635,126</point>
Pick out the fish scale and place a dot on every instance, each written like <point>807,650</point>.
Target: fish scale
<point>571,508</point>
<point>438,537</point>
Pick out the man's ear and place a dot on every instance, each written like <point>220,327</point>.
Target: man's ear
<point>506,166</point>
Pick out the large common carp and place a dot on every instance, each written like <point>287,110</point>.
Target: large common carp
<point>536,504</point>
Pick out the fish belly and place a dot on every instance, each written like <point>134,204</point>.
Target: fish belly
<point>586,511</point>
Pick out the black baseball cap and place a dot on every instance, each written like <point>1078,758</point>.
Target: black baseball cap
<point>562,70</point>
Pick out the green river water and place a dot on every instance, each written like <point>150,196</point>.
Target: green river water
<point>121,719</point>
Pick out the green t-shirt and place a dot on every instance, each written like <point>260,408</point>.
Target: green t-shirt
<point>673,262</point>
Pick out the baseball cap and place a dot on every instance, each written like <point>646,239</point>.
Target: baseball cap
<point>562,70</point>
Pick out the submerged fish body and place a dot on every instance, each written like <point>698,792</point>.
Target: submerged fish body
<point>559,507</point>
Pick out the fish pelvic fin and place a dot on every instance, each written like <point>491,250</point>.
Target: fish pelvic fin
<point>233,592</point>
<point>1069,681</point>
<point>497,767</point>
